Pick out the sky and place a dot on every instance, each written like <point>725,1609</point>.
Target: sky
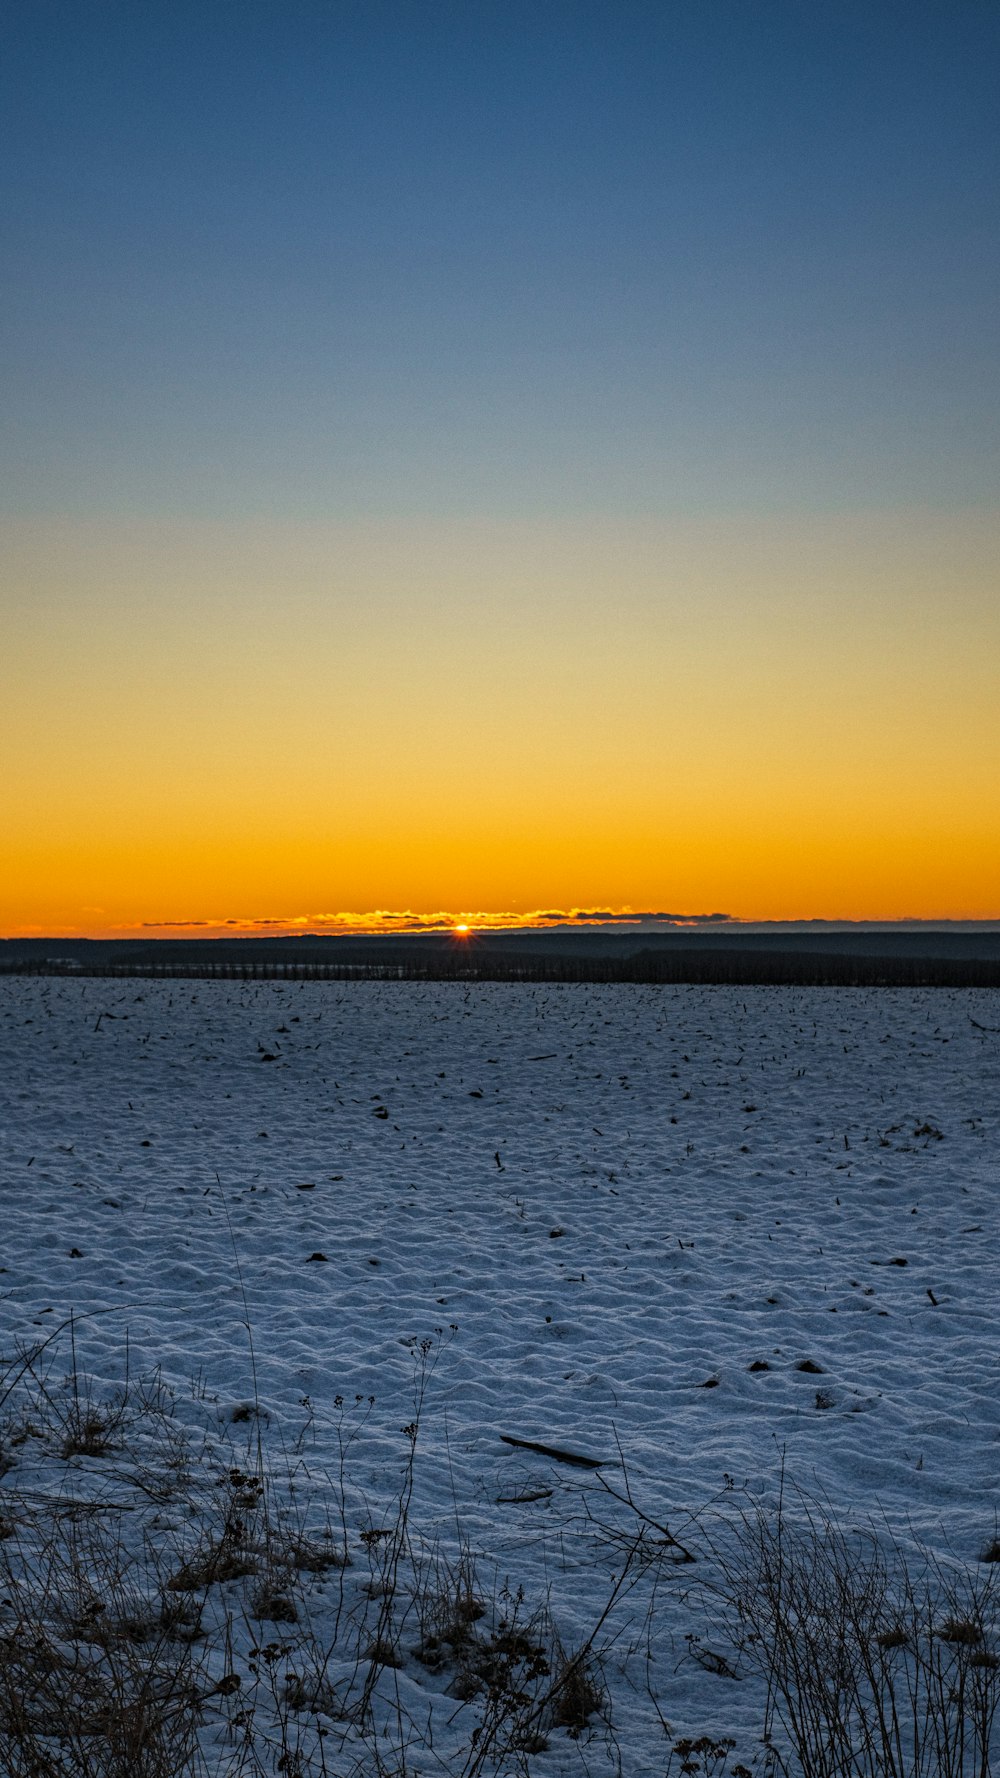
<point>469,460</point>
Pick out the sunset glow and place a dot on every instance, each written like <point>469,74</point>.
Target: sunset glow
<point>549,475</point>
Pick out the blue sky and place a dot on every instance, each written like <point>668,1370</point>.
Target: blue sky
<point>489,457</point>
<point>378,258</point>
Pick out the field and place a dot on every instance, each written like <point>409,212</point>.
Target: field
<point>295,1275</point>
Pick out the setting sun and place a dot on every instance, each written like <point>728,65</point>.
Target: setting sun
<point>350,575</point>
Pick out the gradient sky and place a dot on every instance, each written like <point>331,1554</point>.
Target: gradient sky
<point>482,457</point>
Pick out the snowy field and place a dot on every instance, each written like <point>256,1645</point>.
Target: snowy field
<point>624,1218</point>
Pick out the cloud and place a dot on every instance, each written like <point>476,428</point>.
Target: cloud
<point>685,919</point>
<point>186,925</point>
<point>384,922</point>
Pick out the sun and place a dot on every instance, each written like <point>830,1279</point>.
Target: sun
<point>462,929</point>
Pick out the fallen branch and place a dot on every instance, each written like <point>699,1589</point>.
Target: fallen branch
<point>553,1451</point>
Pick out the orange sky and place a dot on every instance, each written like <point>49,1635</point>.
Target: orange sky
<point>498,458</point>
<point>778,718</point>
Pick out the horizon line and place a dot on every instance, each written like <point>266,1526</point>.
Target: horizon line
<point>388,923</point>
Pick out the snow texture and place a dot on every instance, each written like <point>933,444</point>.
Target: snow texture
<point>698,1232</point>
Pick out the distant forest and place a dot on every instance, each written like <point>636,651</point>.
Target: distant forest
<point>732,964</point>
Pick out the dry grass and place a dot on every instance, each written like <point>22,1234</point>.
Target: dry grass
<point>878,1660</point>
<point>94,1680</point>
<point>174,1612</point>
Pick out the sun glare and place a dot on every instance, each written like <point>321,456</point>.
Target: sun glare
<point>461,931</point>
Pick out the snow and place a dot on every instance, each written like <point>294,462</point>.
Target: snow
<point>601,1205</point>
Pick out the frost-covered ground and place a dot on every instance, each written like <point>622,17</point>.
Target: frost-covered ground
<point>625,1218</point>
